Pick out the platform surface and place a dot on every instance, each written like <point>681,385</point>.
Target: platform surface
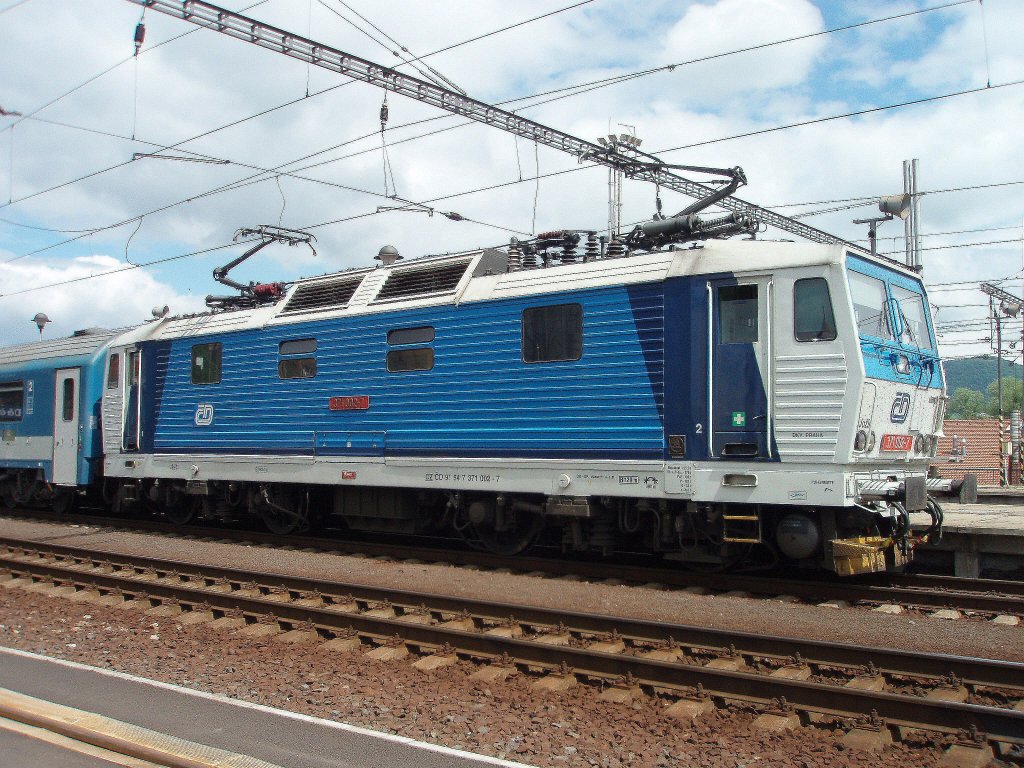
<point>19,751</point>
<point>276,736</point>
<point>983,519</point>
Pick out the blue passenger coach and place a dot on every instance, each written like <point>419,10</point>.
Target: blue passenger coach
<point>50,395</point>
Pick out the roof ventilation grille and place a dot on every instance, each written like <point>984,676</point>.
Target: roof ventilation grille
<point>430,281</point>
<point>323,294</point>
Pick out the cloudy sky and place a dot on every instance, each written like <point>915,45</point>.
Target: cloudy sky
<point>76,212</point>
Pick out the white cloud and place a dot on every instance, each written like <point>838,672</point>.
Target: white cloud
<point>205,80</point>
<point>121,299</point>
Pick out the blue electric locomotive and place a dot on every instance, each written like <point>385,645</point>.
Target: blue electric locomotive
<point>743,401</point>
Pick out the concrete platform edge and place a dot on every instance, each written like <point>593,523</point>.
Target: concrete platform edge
<point>367,732</point>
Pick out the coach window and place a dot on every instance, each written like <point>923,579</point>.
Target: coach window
<point>737,314</point>
<point>68,401</point>
<point>114,371</point>
<point>553,334</point>
<point>297,359</point>
<point>12,400</point>
<point>812,310</point>
<point>206,363</point>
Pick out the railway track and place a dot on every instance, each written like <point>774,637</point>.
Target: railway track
<point>870,688</point>
<point>977,598</point>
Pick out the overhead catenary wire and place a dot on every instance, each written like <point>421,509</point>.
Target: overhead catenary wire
<point>570,170</point>
<point>641,73</point>
<point>108,70</point>
<point>232,123</point>
<point>503,184</point>
<point>427,71</point>
<point>12,6</point>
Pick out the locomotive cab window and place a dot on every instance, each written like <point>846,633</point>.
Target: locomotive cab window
<point>114,371</point>
<point>737,314</point>
<point>12,401</point>
<point>910,313</point>
<point>870,306</point>
<point>206,363</point>
<point>813,319</point>
<point>553,334</point>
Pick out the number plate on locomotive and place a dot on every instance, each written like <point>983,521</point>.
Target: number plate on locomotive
<point>897,442</point>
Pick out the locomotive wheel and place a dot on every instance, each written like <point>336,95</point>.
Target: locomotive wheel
<point>183,510</point>
<point>280,522</point>
<point>284,512</point>
<point>513,540</point>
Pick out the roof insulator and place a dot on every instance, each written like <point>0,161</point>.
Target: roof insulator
<point>140,36</point>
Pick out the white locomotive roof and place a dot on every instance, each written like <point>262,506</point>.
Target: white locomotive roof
<point>482,276</point>
<point>82,343</point>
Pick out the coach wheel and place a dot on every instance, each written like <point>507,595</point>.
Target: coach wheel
<point>7,495</point>
<point>64,500</point>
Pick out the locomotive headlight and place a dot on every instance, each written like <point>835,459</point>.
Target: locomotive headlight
<point>860,442</point>
<point>919,444</point>
<point>934,446</point>
<point>871,441</point>
<point>902,363</point>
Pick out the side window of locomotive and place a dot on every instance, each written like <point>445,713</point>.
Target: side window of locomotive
<point>910,310</point>
<point>114,371</point>
<point>553,334</point>
<point>297,359</point>
<point>418,359</point>
<point>410,358</point>
<point>737,314</point>
<point>206,363</point>
<point>869,306</point>
<point>12,401</point>
<point>421,335</point>
<point>813,319</point>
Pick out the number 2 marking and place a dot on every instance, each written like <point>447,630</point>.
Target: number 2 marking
<point>700,429</point>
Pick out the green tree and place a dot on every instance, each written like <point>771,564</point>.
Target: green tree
<point>1011,396</point>
<point>966,404</point>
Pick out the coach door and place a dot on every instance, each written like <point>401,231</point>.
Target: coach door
<point>739,368</point>
<point>66,417</point>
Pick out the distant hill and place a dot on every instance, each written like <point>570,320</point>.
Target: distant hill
<point>976,373</point>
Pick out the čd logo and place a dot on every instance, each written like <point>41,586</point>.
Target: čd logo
<point>900,408</point>
<point>204,415</point>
